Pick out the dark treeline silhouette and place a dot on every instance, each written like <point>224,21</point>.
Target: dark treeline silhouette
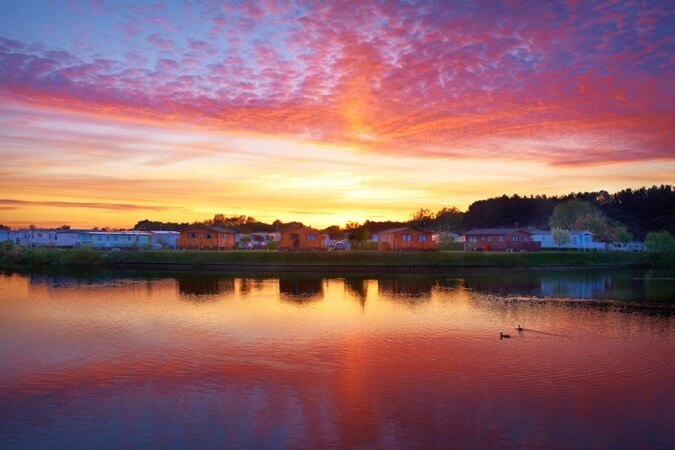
<point>152,225</point>
<point>515,211</point>
<point>640,210</point>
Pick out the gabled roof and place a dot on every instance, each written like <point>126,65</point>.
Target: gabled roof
<point>493,231</point>
<point>209,227</point>
<point>299,227</point>
<point>399,229</point>
<point>573,232</point>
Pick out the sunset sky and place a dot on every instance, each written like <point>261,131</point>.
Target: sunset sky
<point>325,111</point>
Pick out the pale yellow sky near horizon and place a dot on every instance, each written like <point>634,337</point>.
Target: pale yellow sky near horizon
<point>84,170</point>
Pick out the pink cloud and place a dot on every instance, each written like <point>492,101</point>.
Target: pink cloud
<point>389,77</point>
<point>160,42</point>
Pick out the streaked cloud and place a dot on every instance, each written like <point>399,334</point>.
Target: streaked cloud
<point>12,203</point>
<point>367,103</point>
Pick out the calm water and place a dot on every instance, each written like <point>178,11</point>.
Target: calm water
<point>206,361</point>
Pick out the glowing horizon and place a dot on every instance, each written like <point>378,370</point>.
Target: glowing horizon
<point>326,112</point>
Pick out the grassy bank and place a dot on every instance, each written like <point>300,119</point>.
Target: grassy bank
<point>22,257</point>
<point>441,258</point>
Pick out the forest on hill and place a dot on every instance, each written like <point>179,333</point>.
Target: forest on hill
<point>638,210</point>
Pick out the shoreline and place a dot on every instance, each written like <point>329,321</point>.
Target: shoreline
<point>322,261</point>
<point>360,268</point>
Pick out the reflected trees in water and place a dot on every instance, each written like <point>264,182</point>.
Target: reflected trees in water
<point>203,286</point>
<point>300,290</point>
<point>407,290</point>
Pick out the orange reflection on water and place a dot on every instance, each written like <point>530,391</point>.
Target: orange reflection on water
<point>343,362</point>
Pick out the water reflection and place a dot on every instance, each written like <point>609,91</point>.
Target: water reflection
<point>357,286</point>
<point>416,288</point>
<point>643,286</point>
<point>248,286</point>
<point>634,286</point>
<point>197,286</point>
<point>300,290</point>
<point>82,365</point>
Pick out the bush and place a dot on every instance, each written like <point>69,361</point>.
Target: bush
<point>451,246</point>
<point>38,256</point>
<point>82,256</point>
<point>9,253</point>
<point>364,245</point>
<point>660,242</point>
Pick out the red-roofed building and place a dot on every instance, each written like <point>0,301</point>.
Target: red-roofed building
<point>301,238</point>
<point>405,239</point>
<point>202,237</point>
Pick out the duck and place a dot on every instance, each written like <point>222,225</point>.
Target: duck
<point>519,328</point>
<point>503,336</point>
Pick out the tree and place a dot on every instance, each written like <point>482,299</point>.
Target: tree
<point>582,215</point>
<point>515,211</point>
<point>422,218</point>
<point>334,232</point>
<point>148,225</point>
<point>567,214</point>
<point>561,236</point>
<point>603,229</point>
<point>660,242</point>
<point>448,219</point>
<point>356,231</point>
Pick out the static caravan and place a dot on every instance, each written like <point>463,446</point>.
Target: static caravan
<point>404,238</point>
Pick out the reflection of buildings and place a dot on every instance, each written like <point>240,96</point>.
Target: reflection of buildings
<point>406,287</point>
<point>250,285</point>
<point>301,289</point>
<point>204,285</point>
<point>68,278</point>
<point>358,287</point>
<point>574,285</point>
<point>587,286</point>
<point>449,284</point>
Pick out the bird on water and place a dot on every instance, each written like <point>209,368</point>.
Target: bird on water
<point>519,328</point>
<point>503,336</point>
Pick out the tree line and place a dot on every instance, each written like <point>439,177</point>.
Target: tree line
<point>636,212</point>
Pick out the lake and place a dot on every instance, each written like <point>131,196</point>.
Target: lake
<point>190,360</point>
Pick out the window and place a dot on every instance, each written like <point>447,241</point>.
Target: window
<point>311,237</point>
<point>514,238</point>
<point>207,235</point>
<point>473,239</point>
<point>192,235</point>
<point>406,237</point>
<point>489,238</point>
<point>422,238</point>
<point>501,238</point>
